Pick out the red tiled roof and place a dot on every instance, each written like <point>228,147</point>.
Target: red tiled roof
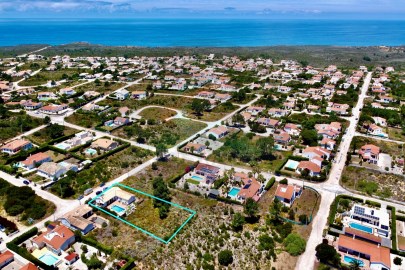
<point>285,191</point>
<point>5,256</point>
<point>29,266</point>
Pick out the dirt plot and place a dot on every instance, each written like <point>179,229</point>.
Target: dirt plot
<point>157,113</point>
<point>374,183</point>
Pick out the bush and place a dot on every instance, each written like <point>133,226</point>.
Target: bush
<point>270,184</point>
<point>238,221</point>
<point>398,261</point>
<point>294,244</point>
<point>225,257</point>
<point>284,181</point>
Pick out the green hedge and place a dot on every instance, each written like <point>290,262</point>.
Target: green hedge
<point>25,236</point>
<point>333,233</point>
<point>400,218</point>
<point>338,227</point>
<point>393,227</point>
<point>334,205</point>
<point>228,200</point>
<point>112,152</point>
<point>129,265</point>
<point>270,183</point>
<point>372,203</point>
<point>23,252</point>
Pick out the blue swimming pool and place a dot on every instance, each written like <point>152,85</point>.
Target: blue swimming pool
<point>349,259</point>
<point>360,227</point>
<point>292,164</point>
<point>48,259</point>
<point>63,146</point>
<point>233,192</point>
<point>118,209</point>
<point>90,151</point>
<point>197,178</point>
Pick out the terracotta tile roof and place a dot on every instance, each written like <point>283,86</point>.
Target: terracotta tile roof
<point>29,266</point>
<point>285,191</point>
<point>219,130</point>
<point>5,256</point>
<point>370,147</point>
<point>56,237</point>
<point>35,158</point>
<point>71,256</point>
<point>372,237</point>
<point>15,144</point>
<point>250,188</point>
<point>310,166</point>
<point>378,254</point>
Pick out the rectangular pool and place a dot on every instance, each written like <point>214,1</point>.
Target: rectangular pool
<point>197,178</point>
<point>48,259</point>
<point>349,259</point>
<point>292,164</point>
<point>90,151</point>
<point>117,209</point>
<point>233,192</point>
<point>360,227</point>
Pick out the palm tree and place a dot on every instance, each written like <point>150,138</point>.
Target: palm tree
<point>355,264</point>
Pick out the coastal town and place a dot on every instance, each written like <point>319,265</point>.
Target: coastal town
<point>210,161</point>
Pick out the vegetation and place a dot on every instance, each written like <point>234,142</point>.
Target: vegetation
<point>13,124</point>
<point>225,257</point>
<point>294,244</point>
<point>51,132</point>
<point>161,191</point>
<point>23,202</point>
<point>327,254</point>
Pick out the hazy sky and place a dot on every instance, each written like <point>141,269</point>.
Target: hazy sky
<point>382,9</point>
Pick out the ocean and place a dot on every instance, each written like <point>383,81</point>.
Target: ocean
<point>202,32</point>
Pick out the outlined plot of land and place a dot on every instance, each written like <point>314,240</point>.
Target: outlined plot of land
<point>130,206</point>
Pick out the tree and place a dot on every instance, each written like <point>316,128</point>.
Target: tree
<point>200,105</point>
<point>327,254</point>
<point>294,244</point>
<point>355,265</point>
<point>225,257</point>
<point>238,221</point>
<point>309,137</point>
<point>265,146</point>
<point>398,261</point>
<point>251,207</point>
<point>161,150</point>
<point>238,120</point>
<point>275,209</point>
<point>47,120</point>
<point>55,131</point>
<point>265,242</point>
<point>161,191</point>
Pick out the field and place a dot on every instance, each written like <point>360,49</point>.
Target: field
<point>14,124</point>
<point>102,87</point>
<point>175,102</point>
<point>45,135</point>
<point>169,132</point>
<point>101,171</point>
<point>44,76</point>
<point>395,134</point>
<point>374,183</point>
<point>157,113</point>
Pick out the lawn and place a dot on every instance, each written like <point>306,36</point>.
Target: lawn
<point>45,135</point>
<point>169,132</point>
<point>14,124</point>
<point>90,119</point>
<point>44,76</point>
<point>194,182</point>
<point>101,171</point>
<point>370,182</point>
<point>157,113</point>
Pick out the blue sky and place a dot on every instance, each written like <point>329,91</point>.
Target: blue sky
<point>365,9</point>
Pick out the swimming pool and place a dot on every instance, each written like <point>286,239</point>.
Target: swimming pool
<point>90,151</point>
<point>63,146</point>
<point>349,259</point>
<point>197,178</point>
<point>233,192</point>
<point>360,227</point>
<point>292,164</point>
<point>117,209</point>
<point>48,259</point>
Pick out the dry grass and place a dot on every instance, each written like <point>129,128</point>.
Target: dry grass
<point>157,113</point>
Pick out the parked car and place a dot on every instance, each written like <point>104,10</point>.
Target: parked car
<point>102,184</point>
<point>2,228</point>
<point>88,191</point>
<point>105,188</point>
<point>98,192</point>
<point>80,197</point>
<point>26,182</point>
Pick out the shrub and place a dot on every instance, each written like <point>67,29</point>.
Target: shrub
<point>294,244</point>
<point>398,261</point>
<point>270,184</point>
<point>225,257</point>
<point>284,181</point>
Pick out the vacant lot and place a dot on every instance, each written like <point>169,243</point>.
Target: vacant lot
<point>14,124</point>
<point>395,134</point>
<point>47,134</point>
<point>101,87</point>
<point>374,183</point>
<point>157,113</point>
<point>168,132</point>
<point>101,171</point>
<point>44,76</point>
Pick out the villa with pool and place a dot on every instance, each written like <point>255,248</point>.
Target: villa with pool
<point>247,187</point>
<point>117,200</point>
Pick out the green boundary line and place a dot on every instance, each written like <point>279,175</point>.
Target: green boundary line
<point>193,213</point>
